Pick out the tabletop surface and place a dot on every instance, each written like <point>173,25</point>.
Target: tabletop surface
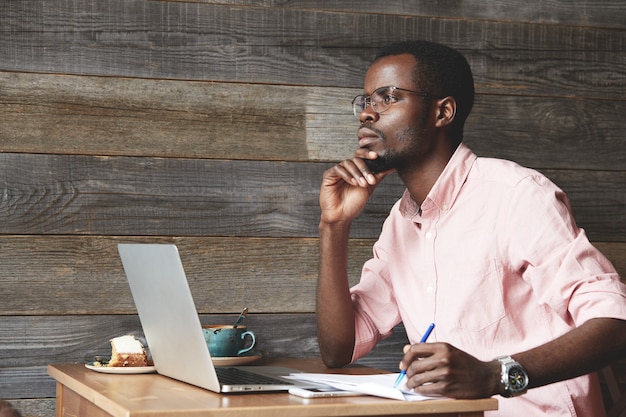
<point>153,394</point>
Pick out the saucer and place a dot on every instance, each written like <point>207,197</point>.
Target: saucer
<point>235,360</point>
<point>121,369</point>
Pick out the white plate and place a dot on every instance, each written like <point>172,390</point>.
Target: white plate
<point>219,361</point>
<point>235,360</point>
<point>121,369</point>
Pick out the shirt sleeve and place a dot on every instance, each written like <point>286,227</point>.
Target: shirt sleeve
<point>567,273</point>
<point>376,311</point>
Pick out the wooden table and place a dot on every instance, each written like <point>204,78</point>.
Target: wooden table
<point>82,392</point>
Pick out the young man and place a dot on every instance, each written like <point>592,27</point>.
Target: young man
<point>524,305</point>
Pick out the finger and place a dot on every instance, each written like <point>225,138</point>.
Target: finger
<point>425,372</point>
<point>365,153</point>
<point>416,381</point>
<point>431,388</point>
<point>418,358</point>
<point>408,357</point>
<point>366,172</point>
<point>357,170</point>
<point>406,361</point>
<point>345,171</point>
<point>423,350</point>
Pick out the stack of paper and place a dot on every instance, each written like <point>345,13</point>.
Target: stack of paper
<point>380,385</point>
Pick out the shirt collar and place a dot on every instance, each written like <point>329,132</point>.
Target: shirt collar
<point>447,187</point>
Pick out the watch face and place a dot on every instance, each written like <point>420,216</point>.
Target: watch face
<point>518,380</point>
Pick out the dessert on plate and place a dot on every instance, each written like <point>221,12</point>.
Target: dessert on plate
<point>127,351</point>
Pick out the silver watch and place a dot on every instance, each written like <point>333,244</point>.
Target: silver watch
<point>513,377</point>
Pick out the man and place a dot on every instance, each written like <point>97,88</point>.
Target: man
<point>524,305</point>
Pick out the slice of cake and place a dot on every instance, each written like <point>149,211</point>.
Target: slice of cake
<point>127,351</point>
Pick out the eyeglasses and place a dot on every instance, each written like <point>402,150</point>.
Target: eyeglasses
<point>380,100</point>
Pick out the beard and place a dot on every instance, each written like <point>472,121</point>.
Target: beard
<point>380,164</point>
<point>394,159</point>
<point>383,162</point>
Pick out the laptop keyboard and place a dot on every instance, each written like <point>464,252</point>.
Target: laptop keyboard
<point>236,376</point>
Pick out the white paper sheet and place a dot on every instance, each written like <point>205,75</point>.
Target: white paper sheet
<point>379,385</point>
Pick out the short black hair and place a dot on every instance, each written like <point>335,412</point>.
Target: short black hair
<point>441,72</point>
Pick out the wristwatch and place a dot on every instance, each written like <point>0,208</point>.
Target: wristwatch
<point>513,377</point>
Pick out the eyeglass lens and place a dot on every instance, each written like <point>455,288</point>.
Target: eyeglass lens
<point>379,100</point>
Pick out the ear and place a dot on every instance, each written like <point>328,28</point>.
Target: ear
<point>445,111</point>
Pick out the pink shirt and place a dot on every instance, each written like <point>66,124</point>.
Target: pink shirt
<point>496,260</point>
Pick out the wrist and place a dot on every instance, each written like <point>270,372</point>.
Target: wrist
<point>495,378</point>
<point>514,379</point>
<point>334,226</point>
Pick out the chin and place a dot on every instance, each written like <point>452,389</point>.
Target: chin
<point>377,165</point>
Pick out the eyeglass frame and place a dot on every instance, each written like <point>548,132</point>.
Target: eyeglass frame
<point>368,99</point>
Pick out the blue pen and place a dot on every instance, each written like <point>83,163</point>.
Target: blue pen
<point>424,339</point>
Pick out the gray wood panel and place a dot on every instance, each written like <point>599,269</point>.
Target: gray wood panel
<point>199,41</point>
<point>605,13</point>
<point>61,194</point>
<point>122,116</point>
<point>78,339</point>
<point>63,275</point>
<point>63,114</point>
<point>43,407</point>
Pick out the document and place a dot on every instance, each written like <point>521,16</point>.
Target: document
<point>379,385</point>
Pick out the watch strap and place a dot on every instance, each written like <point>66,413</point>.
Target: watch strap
<point>508,365</point>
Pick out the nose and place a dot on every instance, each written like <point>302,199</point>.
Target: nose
<point>368,114</point>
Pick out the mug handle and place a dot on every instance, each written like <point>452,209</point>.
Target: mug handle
<point>249,348</point>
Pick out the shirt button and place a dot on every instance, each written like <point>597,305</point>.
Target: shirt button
<point>445,207</point>
<point>430,289</point>
<point>429,235</point>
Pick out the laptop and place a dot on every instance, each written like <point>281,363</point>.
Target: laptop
<point>173,330</point>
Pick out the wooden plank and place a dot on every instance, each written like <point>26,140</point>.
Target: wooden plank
<point>57,194</point>
<point>69,275</point>
<point>61,194</point>
<point>242,44</point>
<point>135,117</point>
<point>83,275</point>
<point>42,407</point>
<point>77,339</point>
<point>599,13</point>
<point>549,133</point>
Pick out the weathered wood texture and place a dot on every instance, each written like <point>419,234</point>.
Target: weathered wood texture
<point>565,12</point>
<point>158,39</point>
<point>208,123</point>
<point>83,275</point>
<point>63,114</point>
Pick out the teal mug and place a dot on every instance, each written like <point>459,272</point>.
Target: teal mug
<point>228,341</point>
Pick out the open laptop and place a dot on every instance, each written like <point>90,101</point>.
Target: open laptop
<point>172,326</point>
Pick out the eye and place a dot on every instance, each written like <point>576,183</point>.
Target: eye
<point>388,98</point>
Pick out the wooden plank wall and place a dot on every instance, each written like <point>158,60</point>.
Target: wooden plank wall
<point>209,123</point>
